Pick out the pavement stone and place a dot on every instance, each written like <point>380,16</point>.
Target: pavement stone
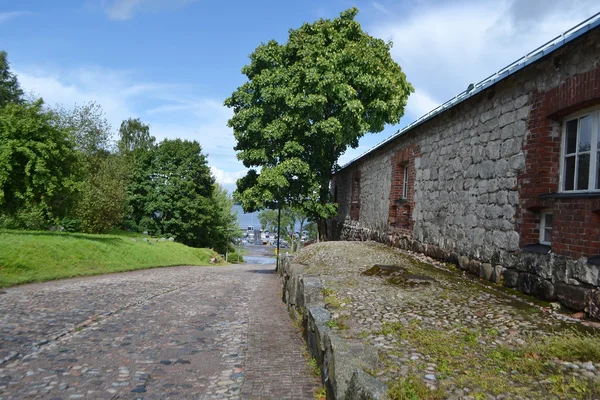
<point>165,333</point>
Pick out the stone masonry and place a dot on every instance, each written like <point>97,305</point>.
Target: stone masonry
<point>481,172</point>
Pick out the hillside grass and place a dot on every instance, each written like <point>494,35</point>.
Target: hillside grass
<point>38,256</point>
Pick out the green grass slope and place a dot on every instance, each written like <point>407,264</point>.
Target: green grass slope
<point>27,256</point>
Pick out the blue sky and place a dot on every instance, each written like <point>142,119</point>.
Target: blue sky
<point>173,62</point>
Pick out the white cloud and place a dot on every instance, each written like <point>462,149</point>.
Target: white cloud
<point>420,102</point>
<point>225,177</point>
<point>124,9</point>
<point>8,15</point>
<point>168,108</point>
<point>443,47</point>
<point>113,90</point>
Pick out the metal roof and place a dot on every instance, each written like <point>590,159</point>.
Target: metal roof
<point>531,57</point>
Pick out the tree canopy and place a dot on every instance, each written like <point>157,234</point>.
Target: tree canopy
<point>62,169</point>
<point>134,135</point>
<point>36,159</point>
<point>10,90</point>
<point>305,102</point>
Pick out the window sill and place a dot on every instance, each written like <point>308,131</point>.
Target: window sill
<point>537,248</point>
<point>567,195</point>
<point>595,260</point>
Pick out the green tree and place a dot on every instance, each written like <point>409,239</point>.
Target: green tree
<point>89,128</point>
<point>102,196</point>
<point>36,161</point>
<point>307,101</point>
<point>172,195</point>
<point>311,229</point>
<point>269,219</point>
<point>224,225</point>
<point>101,176</point>
<point>134,135</point>
<point>10,90</point>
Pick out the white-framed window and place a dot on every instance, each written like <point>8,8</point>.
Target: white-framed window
<point>580,163</point>
<point>546,227</point>
<point>405,183</point>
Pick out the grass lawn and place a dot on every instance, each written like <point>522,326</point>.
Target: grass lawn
<point>30,256</point>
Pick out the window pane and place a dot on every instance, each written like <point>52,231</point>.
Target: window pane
<point>548,235</point>
<point>585,133</point>
<point>571,136</point>
<point>569,173</point>
<point>598,170</point>
<point>548,222</point>
<point>583,172</point>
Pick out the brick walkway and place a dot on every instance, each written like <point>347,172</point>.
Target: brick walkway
<point>275,365</point>
<point>168,333</point>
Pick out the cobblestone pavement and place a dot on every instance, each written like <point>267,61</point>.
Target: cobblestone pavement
<point>167,333</point>
<point>452,335</point>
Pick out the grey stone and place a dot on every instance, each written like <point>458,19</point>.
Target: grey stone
<point>463,262</point>
<point>312,291</point>
<point>486,169</point>
<point>486,271</point>
<point>496,274</point>
<point>474,267</point>
<point>584,272</point>
<point>594,304</point>
<point>510,278</point>
<point>364,387</point>
<point>317,330</point>
<point>574,297</point>
<point>342,359</point>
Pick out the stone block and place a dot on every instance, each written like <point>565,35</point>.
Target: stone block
<point>594,304</point>
<point>364,387</point>
<point>342,359</point>
<point>486,271</point>
<point>312,291</point>
<point>317,328</point>
<point>475,267</point>
<point>486,169</point>
<point>574,297</point>
<point>527,283</point>
<point>536,286</point>
<point>511,278</point>
<point>584,272</point>
<point>496,274</point>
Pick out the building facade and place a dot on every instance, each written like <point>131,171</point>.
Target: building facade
<point>504,180</point>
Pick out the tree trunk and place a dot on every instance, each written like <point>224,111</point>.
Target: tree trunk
<point>300,233</point>
<point>292,243</point>
<point>322,225</point>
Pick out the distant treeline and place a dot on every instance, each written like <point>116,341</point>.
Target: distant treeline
<point>66,169</point>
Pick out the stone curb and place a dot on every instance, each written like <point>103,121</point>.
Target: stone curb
<point>342,362</point>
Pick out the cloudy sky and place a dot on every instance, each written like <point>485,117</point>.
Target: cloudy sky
<point>173,62</point>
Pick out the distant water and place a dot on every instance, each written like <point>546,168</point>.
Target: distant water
<point>251,219</point>
<point>246,219</point>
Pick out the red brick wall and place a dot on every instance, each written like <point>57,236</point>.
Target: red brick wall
<point>576,222</point>
<point>400,212</point>
<point>355,198</point>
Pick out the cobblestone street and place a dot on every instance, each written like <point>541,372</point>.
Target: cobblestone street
<point>166,333</point>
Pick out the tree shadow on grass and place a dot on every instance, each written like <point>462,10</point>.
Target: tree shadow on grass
<point>84,236</point>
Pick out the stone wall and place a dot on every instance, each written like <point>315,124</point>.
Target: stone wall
<point>342,362</point>
<point>475,167</point>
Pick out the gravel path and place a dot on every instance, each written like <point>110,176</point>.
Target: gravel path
<point>167,333</point>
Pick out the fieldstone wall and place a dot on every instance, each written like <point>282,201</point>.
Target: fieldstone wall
<point>342,362</point>
<point>467,205</point>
